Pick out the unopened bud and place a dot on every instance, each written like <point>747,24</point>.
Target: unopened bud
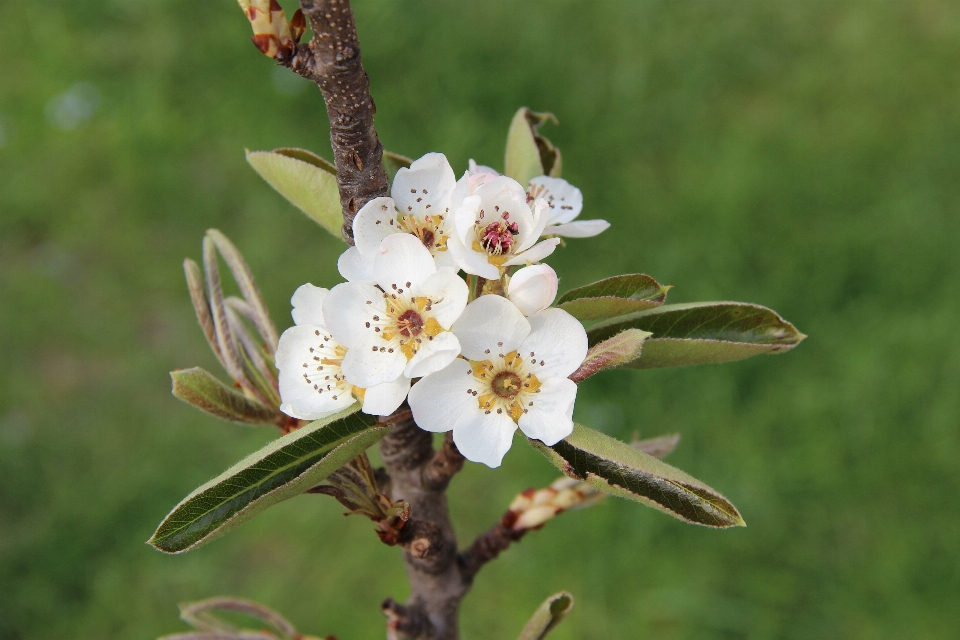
<point>272,34</point>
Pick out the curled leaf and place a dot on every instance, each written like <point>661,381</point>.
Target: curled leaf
<point>528,153</point>
<point>703,333</point>
<point>287,467</point>
<point>547,616</point>
<point>200,388</point>
<point>612,297</point>
<point>621,349</point>
<point>305,180</point>
<point>618,468</point>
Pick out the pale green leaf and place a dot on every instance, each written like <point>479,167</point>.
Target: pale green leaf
<point>283,469</point>
<point>528,153</point>
<point>309,183</point>
<point>703,333</point>
<point>547,617</point>
<point>204,391</point>
<point>617,468</point>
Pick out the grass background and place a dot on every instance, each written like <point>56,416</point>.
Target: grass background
<point>804,155</point>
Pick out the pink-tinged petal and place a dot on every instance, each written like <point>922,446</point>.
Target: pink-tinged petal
<point>557,340</point>
<point>384,399</point>
<point>348,308</point>
<point>402,262</point>
<point>355,267</point>
<point>373,361</point>
<point>578,229</point>
<point>428,181</point>
<point>484,436</point>
<point>433,355</point>
<point>565,200</point>
<point>534,254</point>
<point>477,169</point>
<point>533,288</point>
<point>449,294</point>
<point>438,400</point>
<point>307,304</point>
<point>489,326</point>
<point>550,419</point>
<point>375,221</point>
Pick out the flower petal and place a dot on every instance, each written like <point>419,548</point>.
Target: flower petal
<point>550,419</point>
<point>449,294</point>
<point>536,253</point>
<point>578,229</point>
<point>533,288</point>
<point>355,267</point>
<point>384,399</point>
<point>540,215</point>
<point>565,200</point>
<point>301,399</point>
<point>483,436</point>
<point>375,221</point>
<point>307,304</point>
<point>347,309</point>
<point>502,198</point>
<point>491,325</point>
<point>424,187</point>
<point>402,262</point>
<point>465,218</point>
<point>315,406</point>
<point>433,355</point>
<point>438,400</point>
<point>373,361</point>
<point>471,261</point>
<point>557,340</point>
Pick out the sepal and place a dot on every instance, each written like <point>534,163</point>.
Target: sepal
<point>528,153</point>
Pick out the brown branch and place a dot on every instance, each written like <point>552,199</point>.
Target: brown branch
<point>488,546</point>
<point>332,60</point>
<point>445,464</point>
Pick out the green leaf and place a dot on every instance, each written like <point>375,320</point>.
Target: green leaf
<point>618,468</point>
<point>393,162</point>
<point>203,616</point>
<point>703,333</point>
<point>617,351</point>
<point>309,182</point>
<point>285,468</point>
<point>204,391</point>
<point>548,616</point>
<point>612,297</point>
<point>528,153</point>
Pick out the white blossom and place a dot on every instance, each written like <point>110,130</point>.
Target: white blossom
<point>312,383</point>
<point>401,326</point>
<point>420,204</point>
<point>513,373</point>
<point>495,227</point>
<point>533,288</point>
<point>566,203</point>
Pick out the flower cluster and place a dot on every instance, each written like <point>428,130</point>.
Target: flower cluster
<point>480,356</point>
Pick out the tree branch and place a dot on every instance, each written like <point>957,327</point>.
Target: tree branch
<point>332,60</point>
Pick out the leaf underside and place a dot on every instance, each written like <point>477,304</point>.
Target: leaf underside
<point>283,469</point>
<point>200,388</point>
<point>618,468</point>
<point>547,616</point>
<point>703,333</point>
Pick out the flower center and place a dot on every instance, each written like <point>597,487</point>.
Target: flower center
<point>410,324</point>
<point>427,231</point>
<point>498,237</point>
<point>506,384</point>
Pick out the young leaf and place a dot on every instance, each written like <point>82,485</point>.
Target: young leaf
<point>201,389</point>
<point>703,333</point>
<point>307,183</point>
<point>548,616</point>
<point>529,154</point>
<point>618,468</point>
<point>203,616</point>
<point>612,297</point>
<point>309,157</point>
<point>283,469</point>
<point>617,351</point>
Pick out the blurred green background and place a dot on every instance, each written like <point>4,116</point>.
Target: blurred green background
<point>804,156</point>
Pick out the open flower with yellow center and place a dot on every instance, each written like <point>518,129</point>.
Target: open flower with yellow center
<point>566,203</point>
<point>401,325</point>
<point>420,205</point>
<point>513,373</point>
<point>312,382</point>
<point>496,227</point>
